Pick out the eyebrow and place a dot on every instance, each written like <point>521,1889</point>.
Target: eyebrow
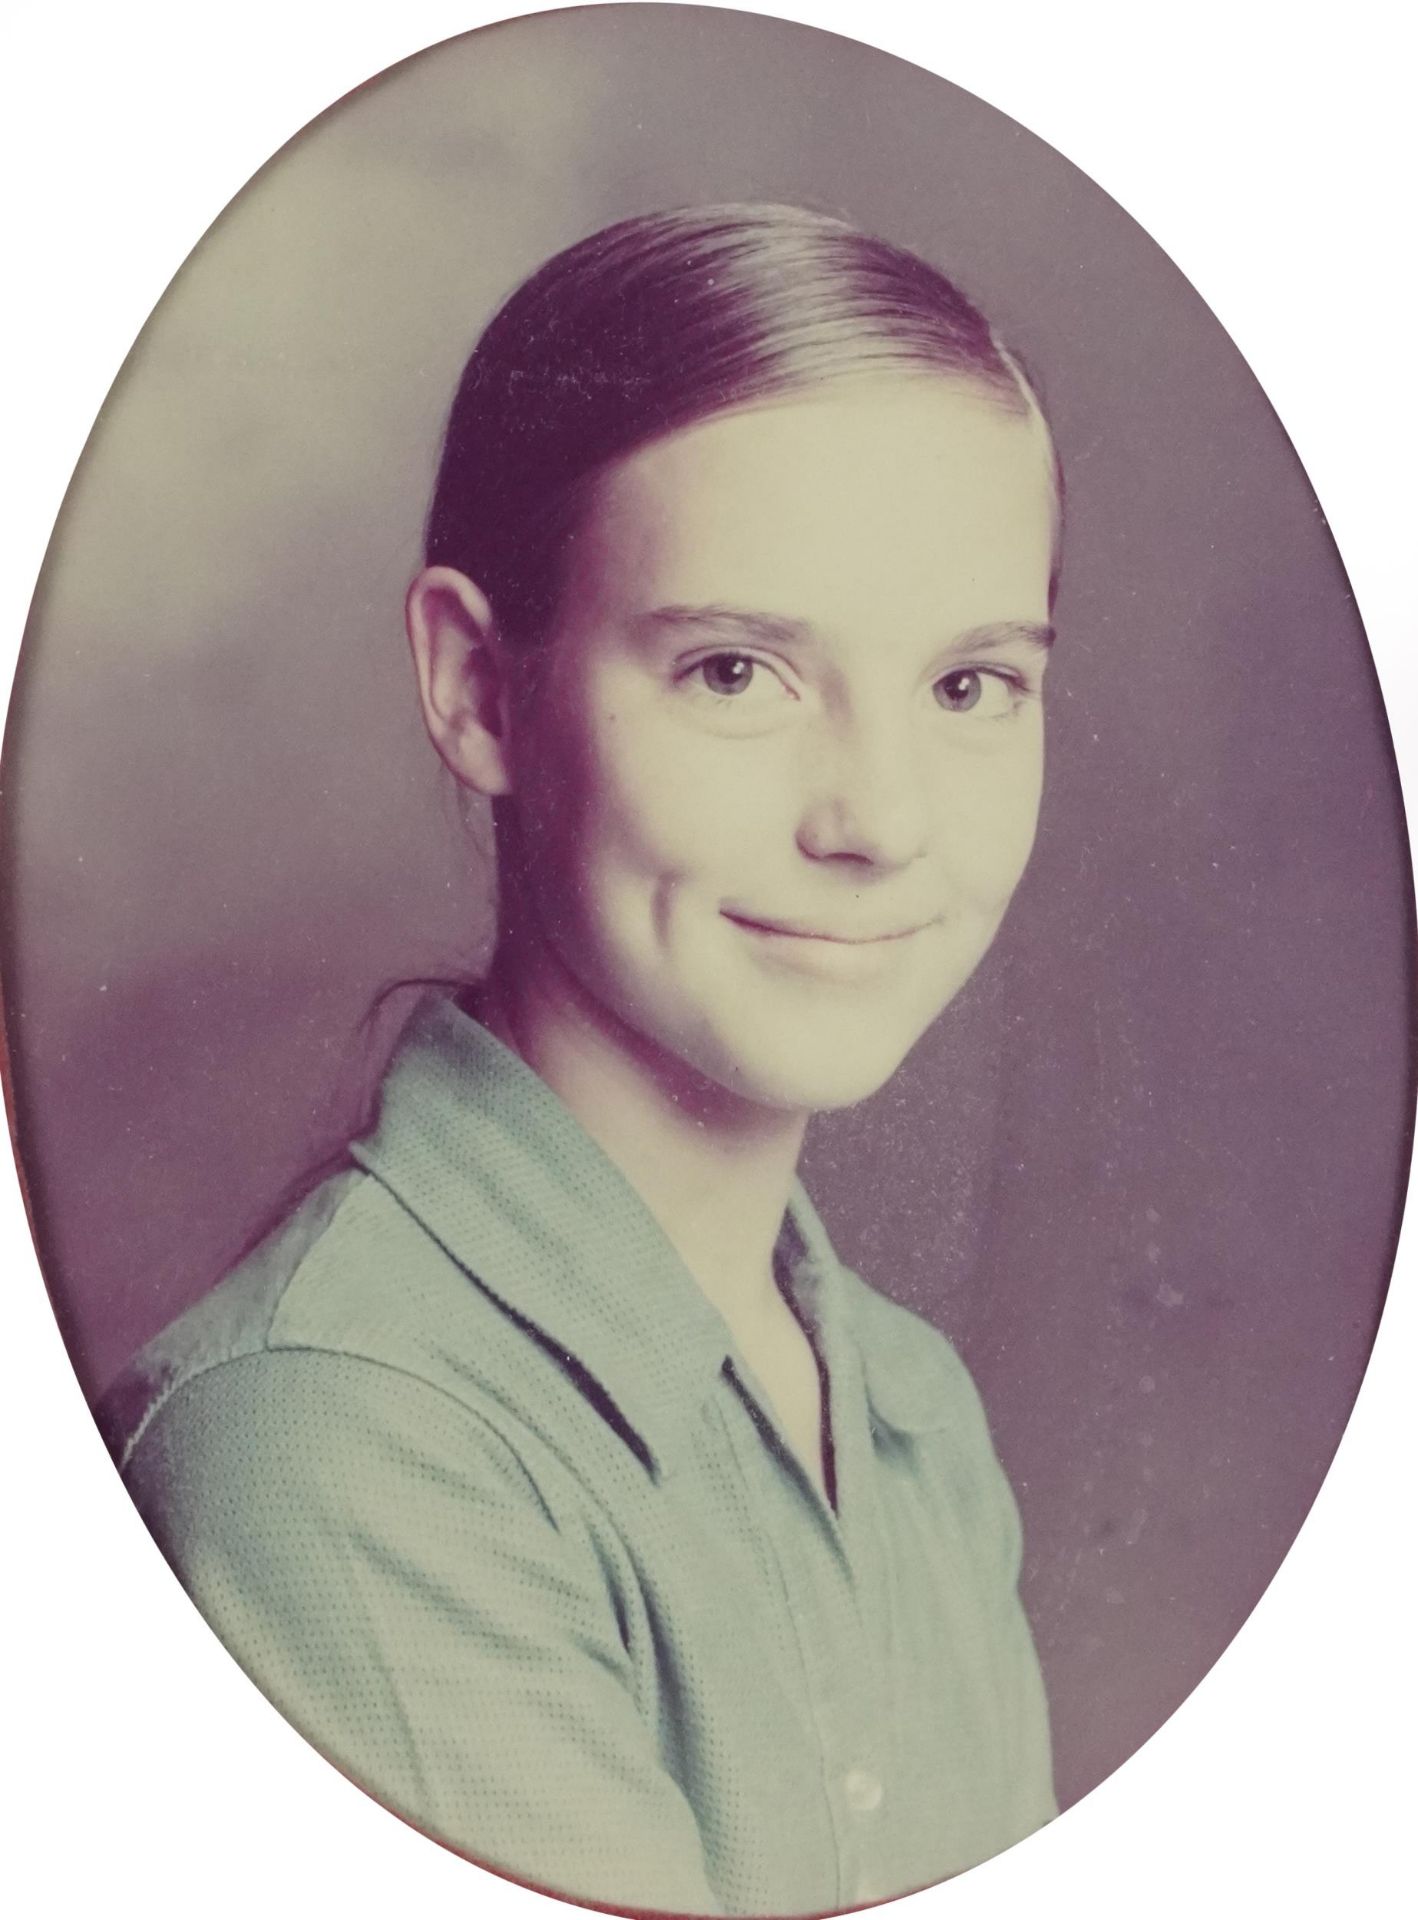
<point>771,629</point>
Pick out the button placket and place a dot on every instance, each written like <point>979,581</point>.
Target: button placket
<point>824,1618</point>
<point>863,1779</point>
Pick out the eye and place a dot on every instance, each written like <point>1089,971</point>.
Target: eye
<point>738,677</point>
<point>971,689</point>
<point>726,673</point>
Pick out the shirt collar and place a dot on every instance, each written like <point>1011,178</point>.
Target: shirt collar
<point>893,1346</point>
<point>496,1167</point>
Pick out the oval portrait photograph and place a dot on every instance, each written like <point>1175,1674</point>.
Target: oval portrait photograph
<point>707,962</point>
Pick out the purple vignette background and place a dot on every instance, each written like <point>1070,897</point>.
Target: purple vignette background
<point>1272,182</point>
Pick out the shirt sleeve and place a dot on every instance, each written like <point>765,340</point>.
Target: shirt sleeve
<point>379,1561</point>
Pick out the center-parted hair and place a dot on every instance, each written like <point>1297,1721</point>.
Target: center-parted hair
<point>651,325</point>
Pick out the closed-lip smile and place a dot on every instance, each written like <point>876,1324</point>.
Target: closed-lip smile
<point>795,931</point>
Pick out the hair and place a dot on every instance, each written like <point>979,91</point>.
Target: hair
<point>652,325</point>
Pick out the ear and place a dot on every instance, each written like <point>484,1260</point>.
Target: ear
<point>462,677</point>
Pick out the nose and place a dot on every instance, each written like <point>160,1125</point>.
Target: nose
<point>866,799</point>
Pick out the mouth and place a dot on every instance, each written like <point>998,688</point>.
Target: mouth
<point>795,930</point>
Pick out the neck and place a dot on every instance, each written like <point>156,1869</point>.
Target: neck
<point>714,1169</point>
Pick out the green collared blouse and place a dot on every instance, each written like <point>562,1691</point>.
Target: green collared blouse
<point>463,1468</point>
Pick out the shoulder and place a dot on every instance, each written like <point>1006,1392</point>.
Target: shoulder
<point>919,1386</point>
<point>348,1301</point>
<point>914,1374</point>
<point>916,1382</point>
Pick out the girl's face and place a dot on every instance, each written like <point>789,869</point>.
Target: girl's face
<point>780,771</point>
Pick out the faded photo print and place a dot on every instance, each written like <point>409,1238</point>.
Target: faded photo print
<point>706,977</point>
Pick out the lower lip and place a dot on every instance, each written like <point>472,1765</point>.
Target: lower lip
<point>827,959</point>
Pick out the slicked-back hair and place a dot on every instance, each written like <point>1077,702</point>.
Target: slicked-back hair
<point>657,323</point>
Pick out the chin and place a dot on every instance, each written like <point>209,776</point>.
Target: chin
<point>811,1073</point>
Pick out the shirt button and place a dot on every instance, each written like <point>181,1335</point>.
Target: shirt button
<point>863,1790</point>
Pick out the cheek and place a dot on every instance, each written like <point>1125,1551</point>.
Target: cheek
<point>987,814</point>
<point>669,806</point>
<point>582,780</point>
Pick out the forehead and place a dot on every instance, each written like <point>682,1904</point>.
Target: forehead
<point>913,493</point>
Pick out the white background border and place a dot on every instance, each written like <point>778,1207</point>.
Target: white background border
<point>1271,151</point>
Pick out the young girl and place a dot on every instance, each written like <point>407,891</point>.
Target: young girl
<point>545,1467</point>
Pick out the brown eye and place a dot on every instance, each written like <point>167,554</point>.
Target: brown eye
<point>727,673</point>
<point>958,692</point>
